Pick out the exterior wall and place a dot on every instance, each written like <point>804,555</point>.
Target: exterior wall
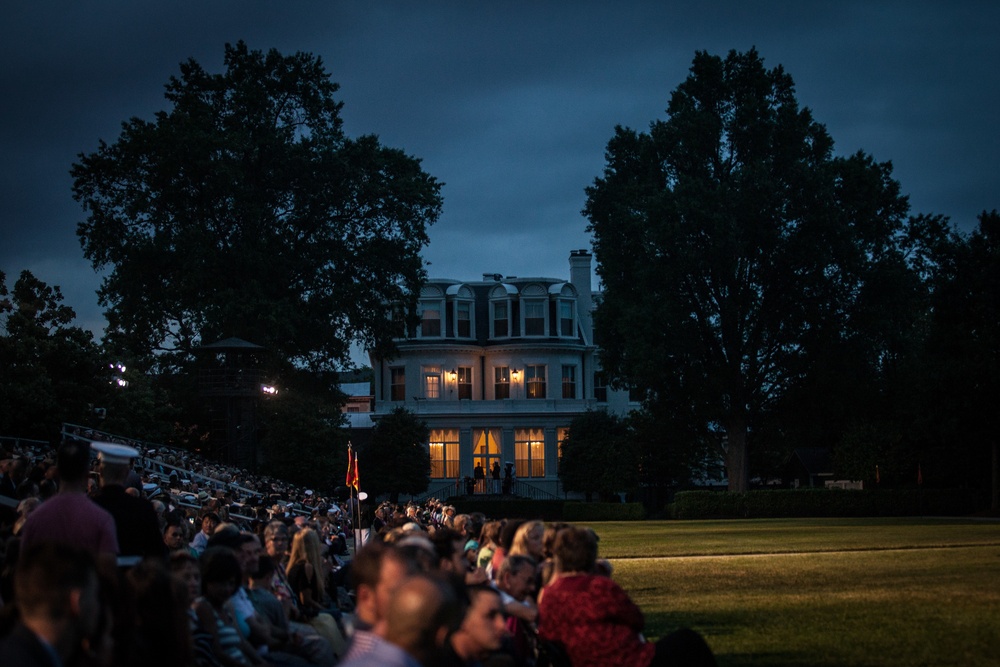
<point>462,353</point>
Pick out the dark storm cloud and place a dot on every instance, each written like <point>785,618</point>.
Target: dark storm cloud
<point>510,104</point>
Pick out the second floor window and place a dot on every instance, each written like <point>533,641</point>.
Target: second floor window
<point>569,381</point>
<point>432,385</point>
<point>501,382</point>
<point>464,383</point>
<point>397,384</point>
<point>534,381</point>
<point>600,387</point>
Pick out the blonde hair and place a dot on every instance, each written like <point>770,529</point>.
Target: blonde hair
<point>520,543</point>
<point>305,547</point>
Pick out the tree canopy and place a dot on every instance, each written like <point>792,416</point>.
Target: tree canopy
<point>396,459</point>
<point>599,455</point>
<point>961,373</point>
<point>244,210</point>
<point>52,371</point>
<point>734,247</point>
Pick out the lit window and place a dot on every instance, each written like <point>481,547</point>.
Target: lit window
<point>561,434</point>
<point>529,452</point>
<point>443,447</point>
<point>464,383</point>
<point>569,381</point>
<point>501,382</point>
<point>534,381</point>
<point>432,385</point>
<point>397,385</point>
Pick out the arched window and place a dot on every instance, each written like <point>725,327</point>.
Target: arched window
<point>564,297</point>
<point>461,302</point>
<point>500,310</point>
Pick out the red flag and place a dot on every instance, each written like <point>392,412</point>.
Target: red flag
<point>352,468</point>
<point>920,475</point>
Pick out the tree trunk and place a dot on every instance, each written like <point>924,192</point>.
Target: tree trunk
<point>995,504</point>
<point>736,456</point>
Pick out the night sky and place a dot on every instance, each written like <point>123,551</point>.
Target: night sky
<point>510,104</point>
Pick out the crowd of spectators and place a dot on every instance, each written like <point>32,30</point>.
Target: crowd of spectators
<point>82,582</point>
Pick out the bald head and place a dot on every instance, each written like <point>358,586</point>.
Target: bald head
<point>422,614</point>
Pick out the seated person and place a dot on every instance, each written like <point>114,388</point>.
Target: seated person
<point>596,622</point>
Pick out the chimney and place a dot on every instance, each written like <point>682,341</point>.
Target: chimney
<point>580,277</point>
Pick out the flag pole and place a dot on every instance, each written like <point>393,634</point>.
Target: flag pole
<point>349,481</point>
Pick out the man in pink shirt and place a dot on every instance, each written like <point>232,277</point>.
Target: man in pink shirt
<point>70,517</point>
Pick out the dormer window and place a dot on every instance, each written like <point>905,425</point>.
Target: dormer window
<point>534,317</point>
<point>460,322</point>
<point>534,311</point>
<point>431,312</point>
<point>501,325</point>
<point>567,320</point>
<point>463,319</point>
<point>564,309</point>
<point>430,319</point>
<point>501,319</point>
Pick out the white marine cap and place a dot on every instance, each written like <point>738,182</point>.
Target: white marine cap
<point>113,453</point>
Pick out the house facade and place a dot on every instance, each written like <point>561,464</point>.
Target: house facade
<point>498,369</point>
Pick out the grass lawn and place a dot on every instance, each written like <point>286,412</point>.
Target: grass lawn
<point>818,591</point>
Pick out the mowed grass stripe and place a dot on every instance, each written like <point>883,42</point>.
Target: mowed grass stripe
<point>911,605</point>
<point>699,538</point>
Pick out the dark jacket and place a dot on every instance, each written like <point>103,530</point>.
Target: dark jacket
<point>135,522</point>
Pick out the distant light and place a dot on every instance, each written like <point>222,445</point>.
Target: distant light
<point>121,382</point>
<point>269,390</point>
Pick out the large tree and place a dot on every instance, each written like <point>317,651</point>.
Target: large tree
<point>962,377</point>
<point>244,210</point>
<point>50,370</point>
<point>732,243</point>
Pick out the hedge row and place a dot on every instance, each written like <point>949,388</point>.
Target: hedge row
<point>826,503</point>
<point>575,512</point>
<point>546,510</point>
<point>551,510</point>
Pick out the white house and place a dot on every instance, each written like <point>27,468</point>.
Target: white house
<point>498,369</point>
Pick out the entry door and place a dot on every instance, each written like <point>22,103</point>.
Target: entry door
<point>486,452</point>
